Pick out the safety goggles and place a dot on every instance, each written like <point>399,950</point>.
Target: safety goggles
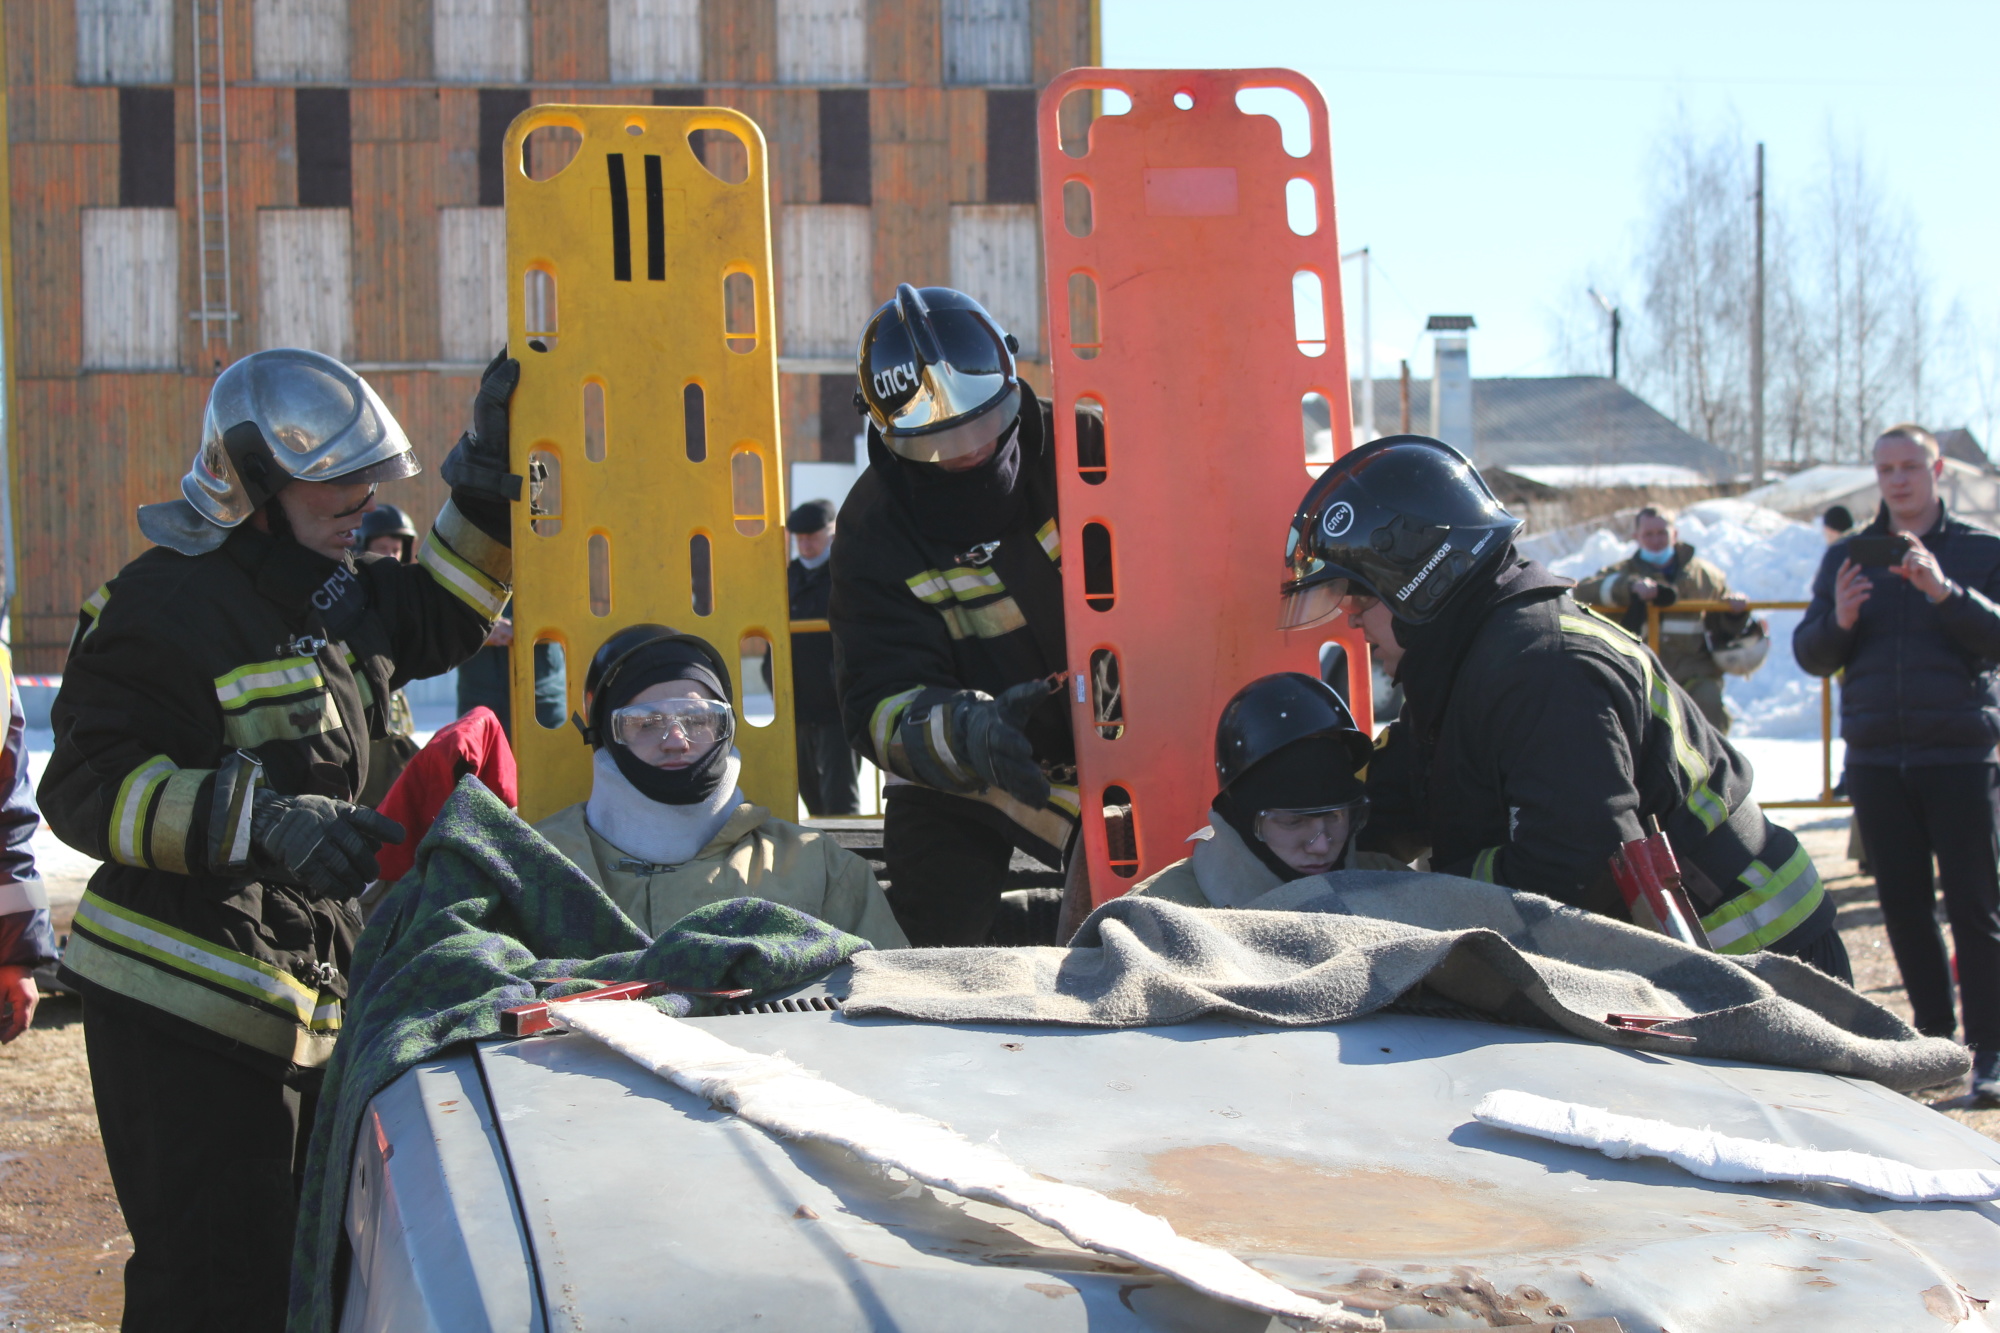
<point>1335,823</point>
<point>699,722</point>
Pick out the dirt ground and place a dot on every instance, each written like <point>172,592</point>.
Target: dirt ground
<point>63,1244</point>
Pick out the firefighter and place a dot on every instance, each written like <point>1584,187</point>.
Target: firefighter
<point>1665,570</point>
<point>386,531</point>
<point>1535,738</point>
<point>1289,762</point>
<point>947,613</point>
<point>212,735</point>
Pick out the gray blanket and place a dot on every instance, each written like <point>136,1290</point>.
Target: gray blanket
<point>1348,943</point>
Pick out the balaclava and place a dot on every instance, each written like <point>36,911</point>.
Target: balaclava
<point>1311,773</point>
<point>648,666</point>
<point>959,508</point>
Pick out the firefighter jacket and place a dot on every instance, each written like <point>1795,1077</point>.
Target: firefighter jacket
<point>813,696</point>
<point>26,939</point>
<point>916,620</point>
<point>1684,637</point>
<point>1552,738</point>
<point>192,681</point>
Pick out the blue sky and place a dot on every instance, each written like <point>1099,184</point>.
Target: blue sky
<point>1494,152</point>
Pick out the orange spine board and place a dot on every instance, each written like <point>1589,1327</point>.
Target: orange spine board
<point>1198,369</point>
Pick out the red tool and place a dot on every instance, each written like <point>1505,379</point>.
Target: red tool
<point>525,1020</point>
<point>1649,878</point>
<point>1648,1024</point>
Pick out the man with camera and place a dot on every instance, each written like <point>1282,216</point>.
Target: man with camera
<point>1907,607</point>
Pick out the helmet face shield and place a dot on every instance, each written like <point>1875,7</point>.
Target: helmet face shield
<point>1313,604</point>
<point>963,438</point>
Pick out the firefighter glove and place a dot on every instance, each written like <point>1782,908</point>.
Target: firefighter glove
<point>990,738</point>
<point>477,464</point>
<point>318,844</point>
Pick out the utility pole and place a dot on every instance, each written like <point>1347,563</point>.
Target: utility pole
<point>1757,340</point>
<point>1616,325</point>
<point>1367,350</point>
<point>1406,398</point>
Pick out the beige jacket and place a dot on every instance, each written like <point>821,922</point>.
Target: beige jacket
<point>754,856</point>
<point>1225,873</point>
<point>1683,637</point>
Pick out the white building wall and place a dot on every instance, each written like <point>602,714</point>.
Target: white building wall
<point>305,264</point>
<point>472,283</point>
<point>299,41</point>
<point>988,41</point>
<point>822,41</point>
<point>996,259</point>
<point>124,41</point>
<point>826,266</point>
<point>656,41</point>
<point>480,41</point>
<point>132,312</point>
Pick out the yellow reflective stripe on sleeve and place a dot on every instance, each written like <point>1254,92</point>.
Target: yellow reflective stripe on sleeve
<point>882,723</point>
<point>177,949</point>
<point>253,681</point>
<point>294,720</point>
<point>1484,867</point>
<point>1702,801</point>
<point>492,559</point>
<point>1050,540</point>
<point>990,622</point>
<point>235,1018</point>
<point>129,807</point>
<point>89,614</point>
<point>167,843</point>
<point>1777,902</point>
<point>929,586</point>
<point>1065,799</point>
<point>361,684</point>
<point>459,577</point>
<point>970,584</point>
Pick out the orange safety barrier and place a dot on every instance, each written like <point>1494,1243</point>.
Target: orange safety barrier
<point>1180,371</point>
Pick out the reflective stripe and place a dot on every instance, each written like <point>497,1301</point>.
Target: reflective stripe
<point>128,810</point>
<point>1680,624</point>
<point>1702,801</point>
<point>197,957</point>
<point>89,614</point>
<point>361,684</point>
<point>493,560</point>
<point>968,584</point>
<point>239,1020</point>
<point>954,622</point>
<point>23,895</point>
<point>462,579</point>
<point>293,720</point>
<point>1778,901</point>
<point>929,586</point>
<point>1483,867</point>
<point>937,736</point>
<point>1050,540</point>
<point>167,843</point>
<point>1065,799</point>
<point>883,722</point>
<point>267,680</point>
<point>990,622</point>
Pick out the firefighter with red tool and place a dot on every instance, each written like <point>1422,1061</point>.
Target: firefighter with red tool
<point>1536,739</point>
<point>212,741</point>
<point>947,613</point>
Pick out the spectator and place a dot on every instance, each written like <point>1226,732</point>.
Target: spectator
<point>1918,640</point>
<point>1665,570</point>
<point>387,531</point>
<point>26,940</point>
<point>828,769</point>
<point>1836,523</point>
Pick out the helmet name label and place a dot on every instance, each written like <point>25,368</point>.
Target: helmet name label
<point>1403,593</point>
<point>896,379</point>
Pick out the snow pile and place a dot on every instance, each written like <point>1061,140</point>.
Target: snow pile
<point>1767,557</point>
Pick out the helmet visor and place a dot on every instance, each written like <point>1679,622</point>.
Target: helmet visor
<point>1314,604</point>
<point>701,722</point>
<point>958,441</point>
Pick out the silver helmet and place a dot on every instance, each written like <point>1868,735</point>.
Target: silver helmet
<point>273,418</point>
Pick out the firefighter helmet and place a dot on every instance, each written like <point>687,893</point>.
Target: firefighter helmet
<point>1405,519</point>
<point>1273,711</point>
<point>386,521</point>
<point>1741,654</point>
<point>937,375</point>
<point>276,417</point>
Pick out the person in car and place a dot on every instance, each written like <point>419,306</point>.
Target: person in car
<point>1290,762</point>
<point>666,829</point>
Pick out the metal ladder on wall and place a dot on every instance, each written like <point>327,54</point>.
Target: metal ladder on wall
<point>217,313</point>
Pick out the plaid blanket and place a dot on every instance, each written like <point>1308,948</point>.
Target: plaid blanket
<point>1341,945</point>
<point>487,916</point>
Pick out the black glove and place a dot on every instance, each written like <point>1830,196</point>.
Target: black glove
<point>316,843</point>
<point>989,736</point>
<point>477,464</point>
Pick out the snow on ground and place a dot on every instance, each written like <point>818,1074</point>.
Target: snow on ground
<point>1767,557</point>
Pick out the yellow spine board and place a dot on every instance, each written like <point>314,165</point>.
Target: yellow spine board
<point>653,411</point>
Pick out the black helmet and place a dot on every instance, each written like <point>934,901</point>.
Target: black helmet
<point>1273,711</point>
<point>385,521</point>
<point>1406,519</point>
<point>619,649</point>
<point>937,374</point>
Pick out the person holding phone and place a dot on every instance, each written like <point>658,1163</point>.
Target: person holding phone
<point>1907,608</point>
